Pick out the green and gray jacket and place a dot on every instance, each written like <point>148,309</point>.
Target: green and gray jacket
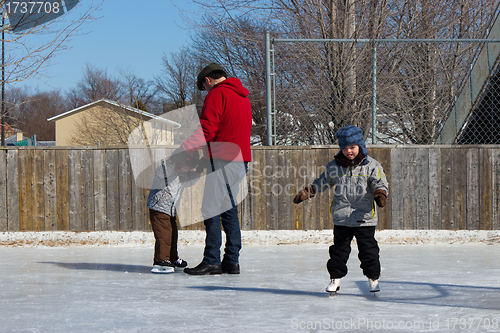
<point>353,204</point>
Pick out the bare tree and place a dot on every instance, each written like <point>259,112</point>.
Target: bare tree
<point>95,85</point>
<point>239,49</point>
<point>138,92</point>
<point>322,78</point>
<point>25,56</point>
<point>178,79</point>
<point>419,80</point>
<point>32,111</point>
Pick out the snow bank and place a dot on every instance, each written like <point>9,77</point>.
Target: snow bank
<point>256,237</point>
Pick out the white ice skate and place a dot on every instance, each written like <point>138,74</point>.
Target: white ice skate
<point>333,287</point>
<point>373,284</point>
<point>162,269</point>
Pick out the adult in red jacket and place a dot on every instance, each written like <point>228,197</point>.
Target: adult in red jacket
<point>224,134</point>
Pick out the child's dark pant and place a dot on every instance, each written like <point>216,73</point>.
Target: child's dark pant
<point>368,251</point>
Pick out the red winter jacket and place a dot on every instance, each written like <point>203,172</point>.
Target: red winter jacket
<point>226,121</point>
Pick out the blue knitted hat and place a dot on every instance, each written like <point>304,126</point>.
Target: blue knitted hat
<point>351,135</point>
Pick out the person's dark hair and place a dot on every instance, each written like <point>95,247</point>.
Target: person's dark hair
<point>217,74</point>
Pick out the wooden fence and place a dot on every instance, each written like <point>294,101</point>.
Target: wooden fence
<point>93,188</point>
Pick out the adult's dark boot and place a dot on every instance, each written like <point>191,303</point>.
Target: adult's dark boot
<point>204,269</point>
<point>230,268</point>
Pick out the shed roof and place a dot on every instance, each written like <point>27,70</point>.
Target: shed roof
<point>126,107</point>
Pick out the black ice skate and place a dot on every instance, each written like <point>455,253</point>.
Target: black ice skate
<point>180,264</point>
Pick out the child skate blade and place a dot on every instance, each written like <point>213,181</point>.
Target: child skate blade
<point>162,269</point>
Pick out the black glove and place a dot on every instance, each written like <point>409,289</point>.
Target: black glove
<point>180,156</point>
<point>380,197</point>
<point>203,165</point>
<point>305,194</point>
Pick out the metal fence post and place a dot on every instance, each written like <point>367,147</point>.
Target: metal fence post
<point>374,92</point>
<point>268,90</point>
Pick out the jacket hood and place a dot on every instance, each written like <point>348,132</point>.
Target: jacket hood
<point>233,84</point>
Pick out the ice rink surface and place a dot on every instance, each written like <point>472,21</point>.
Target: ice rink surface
<point>425,288</point>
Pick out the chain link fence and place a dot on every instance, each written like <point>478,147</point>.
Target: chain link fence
<point>397,91</point>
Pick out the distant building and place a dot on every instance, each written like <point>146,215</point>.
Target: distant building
<point>108,122</point>
<point>8,130</point>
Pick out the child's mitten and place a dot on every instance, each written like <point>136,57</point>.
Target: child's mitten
<point>380,197</point>
<point>305,194</point>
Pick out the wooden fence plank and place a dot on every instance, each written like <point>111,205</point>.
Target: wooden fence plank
<point>435,188</point>
<point>310,206</point>
<point>112,190</point>
<point>387,212</point>
<point>297,181</point>
<point>495,181</point>
<point>245,206</point>
<point>124,190</point>
<point>13,191</point>
<point>485,190</point>
<point>100,216</point>
<point>75,185</point>
<point>447,190</point>
<point>189,209</point>
<point>383,155</point>
<point>140,212</point>
<point>283,183</point>
<point>322,199</point>
<point>422,188</point>
<point>3,190</point>
<point>258,189</point>
<point>331,191</point>
<point>375,154</point>
<point>396,189</point>
<point>87,162</point>
<point>185,208</point>
<point>25,189</point>
<point>50,190</point>
<point>197,200</point>
<point>145,211</point>
<point>472,193</point>
<point>250,223</point>
<point>408,194</point>
<point>460,188</point>
<point>137,221</point>
<point>272,198</point>
<point>62,189</point>
<point>38,191</point>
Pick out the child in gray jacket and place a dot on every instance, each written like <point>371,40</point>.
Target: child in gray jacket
<point>168,185</point>
<point>359,182</point>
